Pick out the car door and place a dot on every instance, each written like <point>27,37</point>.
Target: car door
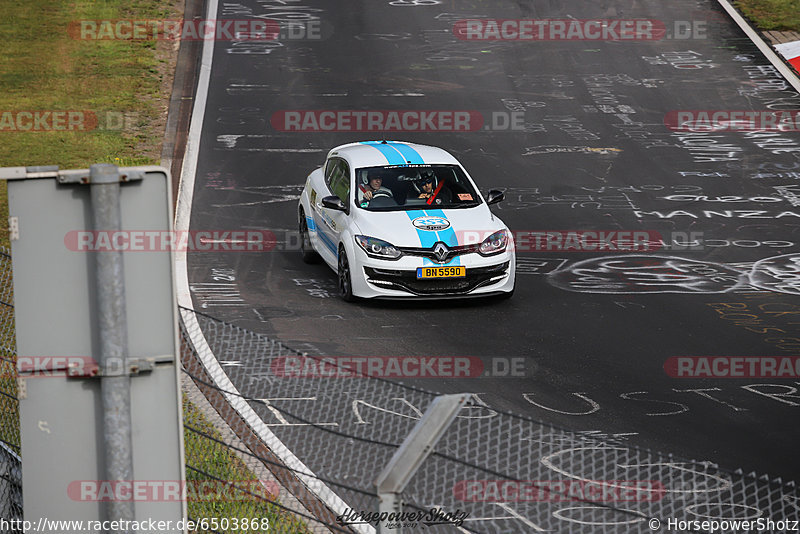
<point>332,222</point>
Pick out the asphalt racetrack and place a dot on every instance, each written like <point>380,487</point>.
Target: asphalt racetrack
<point>577,133</point>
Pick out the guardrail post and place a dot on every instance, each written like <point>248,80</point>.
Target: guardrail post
<point>412,453</point>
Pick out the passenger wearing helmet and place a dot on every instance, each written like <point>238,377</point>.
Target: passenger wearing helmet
<point>431,191</point>
<point>426,187</point>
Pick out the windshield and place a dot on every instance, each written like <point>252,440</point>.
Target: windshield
<point>412,187</point>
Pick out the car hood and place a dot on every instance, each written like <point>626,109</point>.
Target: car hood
<point>424,228</point>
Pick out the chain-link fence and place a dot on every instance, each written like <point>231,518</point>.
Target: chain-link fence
<point>10,463</point>
<point>267,452</point>
<point>228,487</point>
<point>327,439</point>
<point>225,444</point>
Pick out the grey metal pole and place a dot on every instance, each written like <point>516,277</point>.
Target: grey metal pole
<point>410,455</point>
<point>113,337</point>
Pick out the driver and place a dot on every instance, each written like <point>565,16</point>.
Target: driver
<point>374,188</point>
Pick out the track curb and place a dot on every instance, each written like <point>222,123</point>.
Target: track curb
<point>757,38</point>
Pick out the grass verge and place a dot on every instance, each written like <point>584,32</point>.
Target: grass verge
<point>122,85</point>
<point>122,89</point>
<point>769,15</point>
<point>209,464</point>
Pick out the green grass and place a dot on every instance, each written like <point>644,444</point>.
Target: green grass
<point>780,15</point>
<point>44,68</point>
<point>4,242</point>
<point>9,408</point>
<point>208,461</point>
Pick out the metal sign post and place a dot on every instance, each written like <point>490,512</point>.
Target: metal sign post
<point>115,383</point>
<point>410,455</point>
<point>97,346</point>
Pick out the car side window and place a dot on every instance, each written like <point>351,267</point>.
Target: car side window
<point>340,184</point>
<point>332,171</point>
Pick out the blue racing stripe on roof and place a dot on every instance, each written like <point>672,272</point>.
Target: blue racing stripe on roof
<point>392,155</point>
<point>410,155</point>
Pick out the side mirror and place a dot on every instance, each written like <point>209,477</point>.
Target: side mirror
<point>494,196</point>
<point>333,202</point>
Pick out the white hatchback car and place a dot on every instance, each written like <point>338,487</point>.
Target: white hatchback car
<point>401,220</point>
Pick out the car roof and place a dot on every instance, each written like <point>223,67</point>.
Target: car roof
<point>380,153</point>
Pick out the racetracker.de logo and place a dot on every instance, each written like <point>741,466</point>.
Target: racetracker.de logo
<point>559,490</point>
<point>175,30</point>
<point>376,121</point>
<point>559,30</point>
<point>56,366</point>
<point>733,367</point>
<point>172,490</point>
<point>165,241</point>
<point>396,367</point>
<point>573,240</point>
<point>47,121</point>
<point>733,121</point>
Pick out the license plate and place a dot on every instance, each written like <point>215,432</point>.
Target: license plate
<point>441,272</point>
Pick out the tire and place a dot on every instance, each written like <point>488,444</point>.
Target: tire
<point>345,278</point>
<point>306,249</point>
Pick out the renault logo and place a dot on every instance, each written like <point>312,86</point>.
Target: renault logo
<point>441,251</point>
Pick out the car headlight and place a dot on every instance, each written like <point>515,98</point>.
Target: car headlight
<point>494,244</point>
<point>378,248</point>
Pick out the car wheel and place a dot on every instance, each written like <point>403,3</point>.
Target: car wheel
<point>345,280</point>
<point>306,250</point>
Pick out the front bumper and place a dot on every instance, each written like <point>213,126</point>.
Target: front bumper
<point>387,279</point>
<point>405,280</point>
